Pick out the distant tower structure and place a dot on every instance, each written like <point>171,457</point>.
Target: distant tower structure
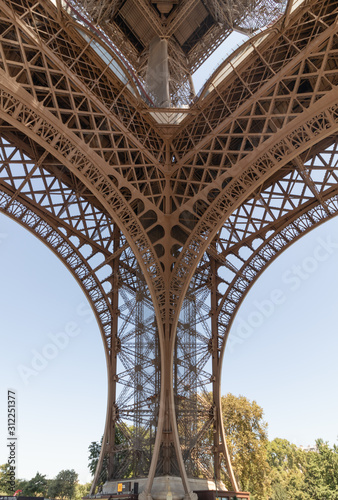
<point>164,205</point>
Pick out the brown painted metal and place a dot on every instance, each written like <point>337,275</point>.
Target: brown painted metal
<point>166,226</point>
<point>193,30</point>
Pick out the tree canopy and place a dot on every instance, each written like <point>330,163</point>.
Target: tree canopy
<point>5,486</point>
<point>246,434</point>
<point>35,487</point>
<point>269,470</point>
<point>64,485</point>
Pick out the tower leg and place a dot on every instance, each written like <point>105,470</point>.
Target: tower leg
<point>158,72</point>
<point>219,435</point>
<point>108,440</point>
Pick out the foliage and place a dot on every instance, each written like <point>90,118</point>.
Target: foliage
<point>321,478</point>
<point>303,475</point>
<point>288,466</point>
<point>246,434</point>
<point>81,490</point>
<point>37,486</point>
<point>5,487</point>
<point>64,485</point>
<point>94,454</point>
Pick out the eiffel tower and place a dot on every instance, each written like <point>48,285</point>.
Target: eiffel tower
<point>166,206</point>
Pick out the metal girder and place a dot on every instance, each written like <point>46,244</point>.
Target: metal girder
<point>91,247</point>
<point>193,29</point>
<point>152,219</point>
<point>269,222</point>
<point>43,197</point>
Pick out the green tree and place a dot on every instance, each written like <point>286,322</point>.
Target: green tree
<point>94,453</point>
<point>122,442</point>
<point>288,465</point>
<point>303,475</point>
<point>5,486</point>
<point>21,484</point>
<point>246,434</point>
<point>35,487</point>
<point>63,486</point>
<point>321,478</point>
<point>81,490</point>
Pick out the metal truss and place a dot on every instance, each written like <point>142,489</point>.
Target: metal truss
<point>166,226</point>
<point>44,200</point>
<point>270,221</point>
<point>193,28</point>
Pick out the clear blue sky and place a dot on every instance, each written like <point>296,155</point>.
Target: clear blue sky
<point>287,363</point>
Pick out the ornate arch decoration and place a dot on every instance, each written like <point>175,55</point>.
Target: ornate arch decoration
<point>305,198</point>
<point>279,241</point>
<point>61,238</point>
<point>40,195</point>
<point>42,127</point>
<point>301,134</point>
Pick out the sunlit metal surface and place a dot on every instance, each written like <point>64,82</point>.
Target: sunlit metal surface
<point>166,217</point>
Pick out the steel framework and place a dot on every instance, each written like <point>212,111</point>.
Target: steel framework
<point>166,217</point>
<point>193,29</point>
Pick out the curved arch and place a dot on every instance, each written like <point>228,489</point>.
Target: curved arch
<point>278,242</point>
<point>233,59</point>
<point>310,199</point>
<point>301,134</point>
<point>245,138</point>
<point>60,27</point>
<point>275,236</point>
<point>57,231</point>
<point>84,275</point>
<point>90,32</point>
<point>43,127</point>
<point>279,55</point>
<point>68,254</point>
<point>58,241</point>
<point>265,254</point>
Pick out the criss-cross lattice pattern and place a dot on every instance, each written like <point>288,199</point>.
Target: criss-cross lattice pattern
<point>270,221</point>
<point>43,196</point>
<point>166,217</point>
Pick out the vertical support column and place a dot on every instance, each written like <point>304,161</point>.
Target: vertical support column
<point>166,368</point>
<point>157,77</point>
<point>215,364</point>
<point>115,348</point>
<point>170,336</point>
<point>167,437</point>
<point>108,441</point>
<point>219,434</point>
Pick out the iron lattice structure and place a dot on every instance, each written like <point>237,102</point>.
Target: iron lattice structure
<point>166,217</point>
<point>193,29</point>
